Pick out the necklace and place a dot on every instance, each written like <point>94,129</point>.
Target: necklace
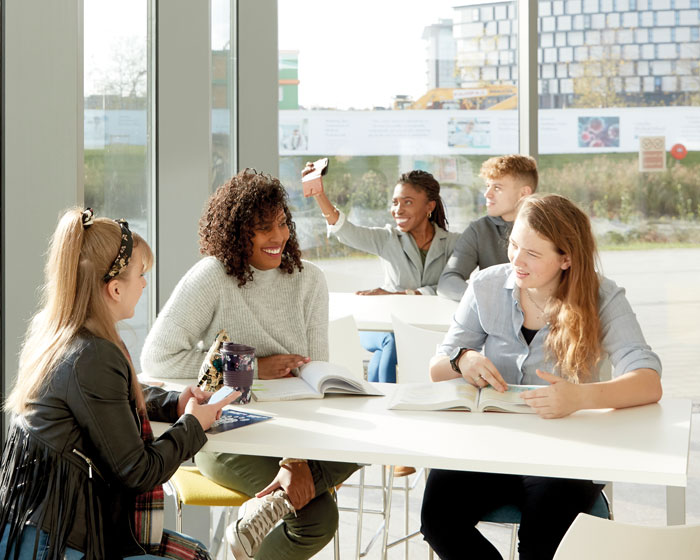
<point>534,302</point>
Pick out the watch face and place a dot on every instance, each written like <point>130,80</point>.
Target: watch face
<point>455,354</point>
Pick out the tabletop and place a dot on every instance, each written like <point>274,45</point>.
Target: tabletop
<point>647,444</point>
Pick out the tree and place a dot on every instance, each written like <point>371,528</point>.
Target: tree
<point>124,74</point>
<point>598,83</point>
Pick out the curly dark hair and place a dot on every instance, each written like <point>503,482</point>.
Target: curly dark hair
<point>234,211</point>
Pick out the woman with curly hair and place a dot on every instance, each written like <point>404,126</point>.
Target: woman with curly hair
<point>413,251</point>
<point>546,318</point>
<point>254,284</point>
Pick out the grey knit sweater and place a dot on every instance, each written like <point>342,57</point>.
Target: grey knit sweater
<point>277,313</point>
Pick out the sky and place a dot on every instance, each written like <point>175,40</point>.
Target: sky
<point>361,53</point>
<point>357,53</point>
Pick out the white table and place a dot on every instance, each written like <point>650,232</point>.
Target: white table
<point>647,444</point>
<point>373,313</point>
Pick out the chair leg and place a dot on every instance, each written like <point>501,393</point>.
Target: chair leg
<point>513,541</point>
<point>360,506</point>
<point>178,514</point>
<point>336,536</point>
<point>405,514</point>
<point>387,512</point>
<point>217,533</point>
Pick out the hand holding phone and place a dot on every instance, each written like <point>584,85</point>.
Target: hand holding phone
<point>220,394</point>
<point>311,181</point>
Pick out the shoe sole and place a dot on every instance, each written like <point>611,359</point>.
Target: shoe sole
<point>237,549</point>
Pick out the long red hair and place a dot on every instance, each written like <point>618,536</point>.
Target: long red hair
<point>574,324</point>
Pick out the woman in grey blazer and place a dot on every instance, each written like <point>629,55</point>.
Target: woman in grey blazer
<point>413,251</point>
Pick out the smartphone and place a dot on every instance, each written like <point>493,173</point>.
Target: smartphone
<point>312,183</point>
<point>221,394</point>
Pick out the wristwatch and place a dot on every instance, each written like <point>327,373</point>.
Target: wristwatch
<point>454,358</point>
<point>411,292</point>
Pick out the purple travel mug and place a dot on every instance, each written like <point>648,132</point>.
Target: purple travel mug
<point>237,365</point>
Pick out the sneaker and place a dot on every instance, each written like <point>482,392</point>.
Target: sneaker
<point>256,518</point>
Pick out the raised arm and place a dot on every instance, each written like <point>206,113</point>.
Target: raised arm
<point>329,211</point>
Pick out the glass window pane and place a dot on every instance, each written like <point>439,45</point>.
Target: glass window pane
<point>222,72</point>
<point>117,148</point>
<point>434,91</point>
<point>622,84</point>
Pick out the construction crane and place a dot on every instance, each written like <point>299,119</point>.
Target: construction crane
<point>492,97</point>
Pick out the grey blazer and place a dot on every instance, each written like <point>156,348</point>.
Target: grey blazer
<point>400,256</point>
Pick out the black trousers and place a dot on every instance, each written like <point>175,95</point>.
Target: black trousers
<point>455,501</point>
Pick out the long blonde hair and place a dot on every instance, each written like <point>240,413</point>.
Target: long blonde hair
<point>72,298</point>
<point>574,324</point>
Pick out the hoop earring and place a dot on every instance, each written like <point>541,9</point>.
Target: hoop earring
<point>430,214</point>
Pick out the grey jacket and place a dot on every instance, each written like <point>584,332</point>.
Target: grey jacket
<point>400,256</point>
<point>484,243</point>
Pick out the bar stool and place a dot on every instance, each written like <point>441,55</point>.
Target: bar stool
<point>192,488</point>
<point>510,514</point>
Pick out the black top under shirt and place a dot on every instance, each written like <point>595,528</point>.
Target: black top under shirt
<point>529,334</point>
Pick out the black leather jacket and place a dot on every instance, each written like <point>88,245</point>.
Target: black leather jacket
<point>74,462</point>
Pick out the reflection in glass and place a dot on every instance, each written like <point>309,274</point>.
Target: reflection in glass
<point>437,93</point>
<point>117,162</point>
<point>222,114</point>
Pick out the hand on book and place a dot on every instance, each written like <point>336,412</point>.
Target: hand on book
<point>478,370</point>
<point>556,400</point>
<point>280,365</point>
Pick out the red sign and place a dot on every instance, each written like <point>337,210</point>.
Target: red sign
<point>679,151</point>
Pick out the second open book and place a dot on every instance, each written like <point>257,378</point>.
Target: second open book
<point>315,380</point>
<point>458,394</point>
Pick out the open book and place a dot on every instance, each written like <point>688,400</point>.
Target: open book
<point>314,381</point>
<point>458,394</point>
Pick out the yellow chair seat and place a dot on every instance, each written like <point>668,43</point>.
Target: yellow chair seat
<point>194,489</point>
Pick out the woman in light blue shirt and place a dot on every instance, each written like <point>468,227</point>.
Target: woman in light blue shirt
<point>413,252</point>
<point>548,319</point>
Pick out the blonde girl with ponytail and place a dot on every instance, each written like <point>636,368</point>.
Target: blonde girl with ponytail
<point>81,471</point>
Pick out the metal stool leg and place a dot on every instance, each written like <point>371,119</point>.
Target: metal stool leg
<point>360,507</point>
<point>513,540</point>
<point>387,509</point>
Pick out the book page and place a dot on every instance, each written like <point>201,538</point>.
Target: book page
<point>326,377</point>
<point>444,395</point>
<point>285,389</point>
<point>510,401</point>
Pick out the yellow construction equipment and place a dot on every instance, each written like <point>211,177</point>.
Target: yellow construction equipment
<point>492,97</point>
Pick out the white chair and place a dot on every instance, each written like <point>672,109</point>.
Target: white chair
<point>415,347</point>
<point>592,537</point>
<point>344,345</point>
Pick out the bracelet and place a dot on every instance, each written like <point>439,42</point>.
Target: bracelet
<point>335,211</point>
<point>290,460</point>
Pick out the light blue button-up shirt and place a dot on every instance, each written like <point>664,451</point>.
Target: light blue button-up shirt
<point>489,318</point>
